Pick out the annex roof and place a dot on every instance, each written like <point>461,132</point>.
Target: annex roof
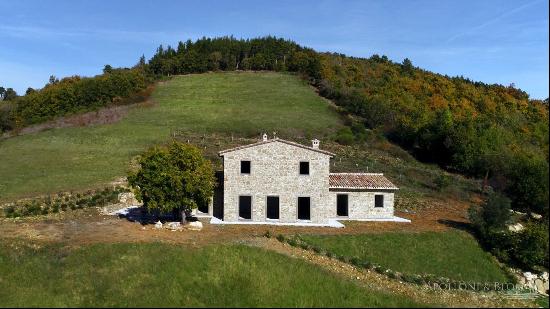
<point>360,181</point>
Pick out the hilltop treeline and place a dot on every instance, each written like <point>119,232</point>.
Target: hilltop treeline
<point>72,95</point>
<point>490,131</point>
<point>230,54</point>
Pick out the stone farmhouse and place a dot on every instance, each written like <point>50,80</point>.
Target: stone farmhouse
<point>275,181</point>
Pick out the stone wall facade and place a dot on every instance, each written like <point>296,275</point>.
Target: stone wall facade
<point>361,204</point>
<point>275,171</point>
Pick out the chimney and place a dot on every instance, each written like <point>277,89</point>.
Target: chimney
<point>264,137</point>
<point>315,144</point>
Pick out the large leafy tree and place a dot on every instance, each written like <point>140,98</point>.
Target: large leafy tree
<point>7,94</point>
<point>175,178</point>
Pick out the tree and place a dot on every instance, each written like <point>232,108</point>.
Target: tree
<point>176,179</point>
<point>53,80</point>
<point>407,66</point>
<point>493,215</point>
<point>7,94</point>
<point>107,69</point>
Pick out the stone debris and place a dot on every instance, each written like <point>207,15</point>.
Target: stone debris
<point>128,198</point>
<point>158,225</point>
<point>518,227</point>
<point>534,281</point>
<point>194,226</point>
<point>173,226</point>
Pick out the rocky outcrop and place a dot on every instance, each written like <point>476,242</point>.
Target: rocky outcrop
<point>533,281</point>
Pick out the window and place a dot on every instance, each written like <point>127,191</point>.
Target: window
<point>379,200</point>
<point>245,167</point>
<point>203,207</point>
<point>342,205</point>
<point>304,168</point>
<point>304,212</point>
<point>245,207</point>
<point>272,207</point>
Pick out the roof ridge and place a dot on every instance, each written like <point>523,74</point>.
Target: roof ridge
<point>358,173</point>
<point>276,139</point>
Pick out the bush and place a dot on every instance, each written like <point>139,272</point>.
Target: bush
<point>532,245</point>
<point>9,211</point>
<point>344,136</point>
<point>292,242</point>
<point>493,215</point>
<point>442,181</point>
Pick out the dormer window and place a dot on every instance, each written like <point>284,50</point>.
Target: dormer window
<point>245,167</point>
<point>304,168</point>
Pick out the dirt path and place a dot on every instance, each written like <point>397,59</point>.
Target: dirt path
<point>90,226</point>
<point>375,281</point>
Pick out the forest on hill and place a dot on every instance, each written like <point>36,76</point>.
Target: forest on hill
<point>483,130</point>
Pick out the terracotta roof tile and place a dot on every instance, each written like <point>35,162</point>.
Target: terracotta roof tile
<point>360,181</point>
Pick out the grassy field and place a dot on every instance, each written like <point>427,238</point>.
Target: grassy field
<point>244,104</point>
<point>454,255</point>
<point>142,275</point>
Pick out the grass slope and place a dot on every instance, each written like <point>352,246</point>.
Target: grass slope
<point>454,255</point>
<point>240,103</point>
<point>155,275</point>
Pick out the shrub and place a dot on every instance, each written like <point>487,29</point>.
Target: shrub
<point>493,215</point>
<point>355,261</point>
<point>532,246</point>
<point>317,249</point>
<point>280,237</point>
<point>366,265</point>
<point>359,131</point>
<point>442,181</point>
<point>9,211</point>
<point>292,242</point>
<point>344,136</point>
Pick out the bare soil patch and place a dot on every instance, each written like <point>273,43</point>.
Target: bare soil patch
<point>90,226</point>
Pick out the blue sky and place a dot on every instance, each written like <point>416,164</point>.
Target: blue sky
<point>491,41</point>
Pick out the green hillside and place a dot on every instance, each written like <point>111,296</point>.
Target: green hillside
<point>163,275</point>
<point>243,104</point>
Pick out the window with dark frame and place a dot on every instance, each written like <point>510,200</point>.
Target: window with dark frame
<point>379,200</point>
<point>203,207</point>
<point>245,207</point>
<point>245,167</point>
<point>272,207</point>
<point>304,208</point>
<point>342,205</point>
<point>304,168</point>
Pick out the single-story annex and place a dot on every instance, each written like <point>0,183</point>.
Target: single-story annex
<point>275,181</point>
